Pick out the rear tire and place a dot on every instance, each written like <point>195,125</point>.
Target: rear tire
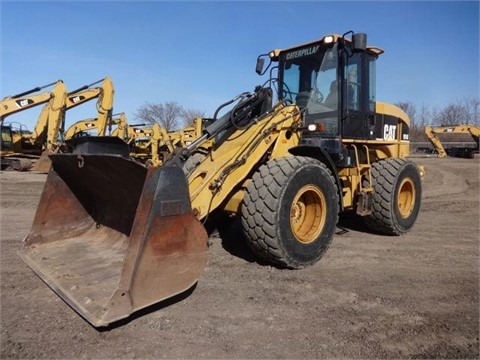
<point>290,211</point>
<point>397,196</point>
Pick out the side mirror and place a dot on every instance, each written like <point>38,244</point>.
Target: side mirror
<point>260,64</point>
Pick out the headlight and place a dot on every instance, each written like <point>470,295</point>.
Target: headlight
<point>316,127</point>
<point>328,39</point>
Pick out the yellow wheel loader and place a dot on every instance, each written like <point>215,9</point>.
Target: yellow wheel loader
<point>111,236</point>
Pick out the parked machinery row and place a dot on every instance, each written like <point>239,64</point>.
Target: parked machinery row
<point>22,149</point>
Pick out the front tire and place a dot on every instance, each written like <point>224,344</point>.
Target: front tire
<point>290,211</point>
<point>397,196</point>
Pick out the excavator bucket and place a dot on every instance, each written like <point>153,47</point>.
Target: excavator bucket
<point>43,164</point>
<point>111,237</point>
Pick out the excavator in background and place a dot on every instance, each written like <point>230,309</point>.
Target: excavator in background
<point>15,103</point>
<point>153,145</point>
<point>433,132</point>
<point>81,128</point>
<point>111,236</point>
<point>22,150</point>
<point>12,157</point>
<point>184,137</point>
<point>144,142</point>
<point>122,128</point>
<point>147,144</point>
<point>44,139</point>
<point>104,92</point>
<point>90,127</point>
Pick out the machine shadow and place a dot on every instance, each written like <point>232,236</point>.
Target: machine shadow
<point>229,230</point>
<point>350,221</point>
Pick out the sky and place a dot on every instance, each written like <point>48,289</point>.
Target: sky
<point>200,54</point>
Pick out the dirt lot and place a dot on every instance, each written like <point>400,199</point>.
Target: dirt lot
<point>371,296</point>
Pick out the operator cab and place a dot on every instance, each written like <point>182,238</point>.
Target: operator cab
<point>332,80</point>
<point>6,142</point>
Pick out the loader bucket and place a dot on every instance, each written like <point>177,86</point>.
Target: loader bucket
<point>111,237</point>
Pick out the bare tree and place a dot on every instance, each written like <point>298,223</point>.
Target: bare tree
<point>409,108</point>
<point>189,115</point>
<point>416,130</point>
<point>424,116</point>
<point>473,110</point>
<point>452,114</point>
<point>167,114</point>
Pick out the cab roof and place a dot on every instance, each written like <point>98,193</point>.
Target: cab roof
<point>328,39</point>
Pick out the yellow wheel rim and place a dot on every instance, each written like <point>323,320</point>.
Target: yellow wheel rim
<point>308,214</point>
<point>406,197</point>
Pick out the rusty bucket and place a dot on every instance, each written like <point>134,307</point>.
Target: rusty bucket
<point>111,237</point>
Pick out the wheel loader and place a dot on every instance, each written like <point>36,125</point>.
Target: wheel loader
<point>111,236</point>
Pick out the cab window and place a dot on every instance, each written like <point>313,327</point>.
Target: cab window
<point>353,82</point>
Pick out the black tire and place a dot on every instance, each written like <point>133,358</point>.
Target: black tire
<point>397,196</point>
<point>290,211</point>
<point>22,165</point>
<point>192,162</point>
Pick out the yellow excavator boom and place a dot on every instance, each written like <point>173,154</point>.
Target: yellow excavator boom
<point>121,130</point>
<point>13,104</point>
<point>432,132</point>
<point>91,124</point>
<point>50,119</point>
<point>104,92</point>
<point>44,138</point>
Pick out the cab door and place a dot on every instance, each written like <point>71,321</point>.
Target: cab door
<point>358,96</point>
